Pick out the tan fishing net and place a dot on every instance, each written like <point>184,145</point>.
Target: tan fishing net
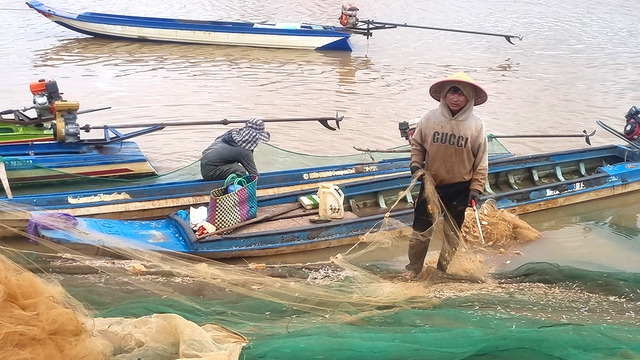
<point>499,227</point>
<point>39,320</point>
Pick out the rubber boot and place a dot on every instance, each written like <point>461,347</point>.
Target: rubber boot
<point>418,247</point>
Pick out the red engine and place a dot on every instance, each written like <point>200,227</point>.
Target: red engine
<point>632,128</point>
<point>349,16</point>
<point>45,94</point>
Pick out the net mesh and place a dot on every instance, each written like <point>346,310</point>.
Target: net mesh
<point>351,306</point>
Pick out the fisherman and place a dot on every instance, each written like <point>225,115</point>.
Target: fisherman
<point>232,152</point>
<point>450,145</point>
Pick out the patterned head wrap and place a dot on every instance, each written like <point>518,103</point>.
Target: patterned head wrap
<point>252,132</point>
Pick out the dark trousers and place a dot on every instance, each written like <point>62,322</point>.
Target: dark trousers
<point>221,172</point>
<point>455,198</point>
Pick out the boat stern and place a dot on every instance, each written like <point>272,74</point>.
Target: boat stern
<point>342,44</point>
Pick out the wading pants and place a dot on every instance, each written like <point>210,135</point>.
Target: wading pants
<point>454,197</point>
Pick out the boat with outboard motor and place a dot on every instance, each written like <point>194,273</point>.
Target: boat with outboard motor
<point>69,157</point>
<point>210,32</point>
<point>520,184</point>
<point>47,147</point>
<point>18,126</point>
<point>290,175</point>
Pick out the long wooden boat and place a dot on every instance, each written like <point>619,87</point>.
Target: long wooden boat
<point>276,35</point>
<point>148,199</point>
<point>520,184</point>
<point>40,162</point>
<point>290,228</point>
<point>286,175</point>
<point>256,34</point>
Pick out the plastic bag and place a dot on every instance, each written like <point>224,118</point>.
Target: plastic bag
<point>197,216</point>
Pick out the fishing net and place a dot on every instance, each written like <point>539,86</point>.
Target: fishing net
<point>350,305</point>
<point>40,320</point>
<point>499,227</point>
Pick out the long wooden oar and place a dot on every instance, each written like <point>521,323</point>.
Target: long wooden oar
<point>382,150</point>
<point>323,120</point>
<point>380,23</point>
<point>584,135</point>
<point>492,136</point>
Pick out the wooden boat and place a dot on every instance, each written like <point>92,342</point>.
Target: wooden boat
<point>256,34</point>
<point>289,229</point>
<point>39,162</point>
<point>520,184</point>
<point>31,153</point>
<point>153,198</point>
<point>276,35</point>
<point>284,172</point>
<point>291,175</point>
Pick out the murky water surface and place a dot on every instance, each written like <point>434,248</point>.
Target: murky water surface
<point>577,63</point>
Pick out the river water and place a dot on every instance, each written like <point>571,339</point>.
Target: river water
<point>577,63</point>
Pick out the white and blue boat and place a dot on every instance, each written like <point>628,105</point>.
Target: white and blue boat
<point>275,35</point>
<point>520,184</point>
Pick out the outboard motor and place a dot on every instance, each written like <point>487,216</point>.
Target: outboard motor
<point>45,94</point>
<point>407,128</point>
<point>66,127</point>
<point>632,127</point>
<point>349,16</point>
<point>48,103</point>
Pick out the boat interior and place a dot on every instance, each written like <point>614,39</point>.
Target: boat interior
<point>293,215</point>
<point>524,176</point>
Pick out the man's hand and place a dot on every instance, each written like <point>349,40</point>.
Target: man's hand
<point>414,170</point>
<point>474,195</point>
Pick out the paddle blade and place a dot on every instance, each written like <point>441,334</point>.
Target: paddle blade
<point>587,136</point>
<point>325,122</point>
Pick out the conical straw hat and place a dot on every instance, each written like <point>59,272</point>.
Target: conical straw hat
<point>479,95</point>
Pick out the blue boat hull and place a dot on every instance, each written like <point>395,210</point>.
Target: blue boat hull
<point>40,162</point>
<point>278,35</point>
<point>110,237</point>
<point>519,184</point>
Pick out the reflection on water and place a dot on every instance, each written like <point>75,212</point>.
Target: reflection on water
<point>138,57</point>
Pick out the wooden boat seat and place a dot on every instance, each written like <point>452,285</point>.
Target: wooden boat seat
<point>559,173</point>
<point>487,188</point>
